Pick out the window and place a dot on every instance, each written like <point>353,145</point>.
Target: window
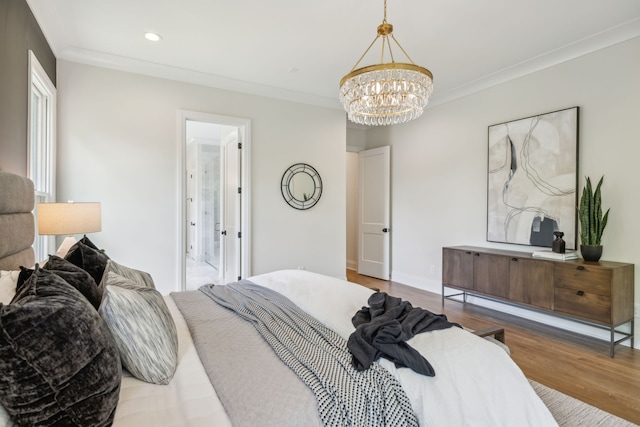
<point>42,144</point>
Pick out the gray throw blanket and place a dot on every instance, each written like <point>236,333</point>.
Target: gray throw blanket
<point>383,329</point>
<point>254,386</point>
<point>319,356</point>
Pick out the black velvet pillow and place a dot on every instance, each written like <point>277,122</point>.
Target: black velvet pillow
<point>23,276</point>
<point>59,362</point>
<point>91,260</point>
<point>76,277</point>
<point>85,240</point>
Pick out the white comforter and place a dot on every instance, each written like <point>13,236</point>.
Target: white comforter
<point>476,382</point>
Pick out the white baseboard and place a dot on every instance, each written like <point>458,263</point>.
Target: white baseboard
<point>546,319</point>
<point>430,285</point>
<point>352,265</point>
<point>435,286</point>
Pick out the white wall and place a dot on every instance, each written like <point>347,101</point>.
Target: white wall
<point>118,144</point>
<point>439,162</point>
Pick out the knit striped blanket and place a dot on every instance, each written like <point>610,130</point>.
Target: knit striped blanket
<point>319,356</point>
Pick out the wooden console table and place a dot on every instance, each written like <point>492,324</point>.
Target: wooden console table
<point>595,293</point>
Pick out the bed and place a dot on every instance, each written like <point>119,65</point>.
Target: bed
<point>204,365</point>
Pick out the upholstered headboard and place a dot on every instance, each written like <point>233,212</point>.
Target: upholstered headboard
<point>17,227</point>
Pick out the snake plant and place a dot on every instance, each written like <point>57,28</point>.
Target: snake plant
<point>592,223</point>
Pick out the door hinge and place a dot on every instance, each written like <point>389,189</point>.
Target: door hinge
<point>239,145</point>
<point>223,232</point>
<point>239,190</point>
<point>239,234</point>
<point>239,278</point>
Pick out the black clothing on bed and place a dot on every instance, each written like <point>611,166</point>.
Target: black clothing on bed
<point>383,329</point>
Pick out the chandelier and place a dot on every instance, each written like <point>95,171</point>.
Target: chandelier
<point>386,93</point>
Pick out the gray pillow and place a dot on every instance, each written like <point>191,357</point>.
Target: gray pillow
<point>143,328</point>
<point>141,278</point>
<point>59,362</point>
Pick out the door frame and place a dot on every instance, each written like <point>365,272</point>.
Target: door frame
<point>245,175</point>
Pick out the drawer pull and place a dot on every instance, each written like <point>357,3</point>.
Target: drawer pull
<point>580,267</point>
<point>514,259</point>
<point>468,252</point>
<point>580,293</point>
<point>477,254</point>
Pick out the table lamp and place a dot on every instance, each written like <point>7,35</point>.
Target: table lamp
<point>69,218</point>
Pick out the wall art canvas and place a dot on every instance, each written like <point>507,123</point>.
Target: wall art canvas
<point>532,179</point>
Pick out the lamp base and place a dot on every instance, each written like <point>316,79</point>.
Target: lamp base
<point>65,246</point>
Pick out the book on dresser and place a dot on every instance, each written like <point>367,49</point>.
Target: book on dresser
<point>549,254</point>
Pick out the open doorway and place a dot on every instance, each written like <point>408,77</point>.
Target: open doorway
<point>204,190</point>
<point>215,210</point>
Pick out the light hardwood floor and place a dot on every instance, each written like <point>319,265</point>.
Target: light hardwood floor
<point>568,362</point>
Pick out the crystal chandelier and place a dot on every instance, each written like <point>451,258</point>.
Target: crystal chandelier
<point>386,93</point>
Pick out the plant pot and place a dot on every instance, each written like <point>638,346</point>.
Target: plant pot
<point>591,253</point>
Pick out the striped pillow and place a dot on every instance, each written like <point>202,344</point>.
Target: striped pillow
<point>141,278</point>
<point>143,328</point>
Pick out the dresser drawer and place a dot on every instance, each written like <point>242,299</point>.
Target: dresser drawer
<point>583,304</point>
<point>585,278</point>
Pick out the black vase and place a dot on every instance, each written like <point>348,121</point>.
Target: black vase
<point>591,253</point>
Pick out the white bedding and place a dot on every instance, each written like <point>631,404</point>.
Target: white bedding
<point>476,383</point>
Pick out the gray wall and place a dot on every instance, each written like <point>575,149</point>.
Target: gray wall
<point>19,33</point>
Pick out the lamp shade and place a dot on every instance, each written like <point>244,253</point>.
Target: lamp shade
<point>69,218</point>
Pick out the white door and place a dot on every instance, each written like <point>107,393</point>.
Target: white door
<point>374,213</point>
<point>230,218</point>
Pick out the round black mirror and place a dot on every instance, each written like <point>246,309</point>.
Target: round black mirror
<point>301,186</point>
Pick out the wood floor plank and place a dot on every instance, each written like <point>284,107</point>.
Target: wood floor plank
<point>568,362</point>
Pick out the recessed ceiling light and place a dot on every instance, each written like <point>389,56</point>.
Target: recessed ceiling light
<point>153,37</point>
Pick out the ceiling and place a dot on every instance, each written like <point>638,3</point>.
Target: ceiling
<point>299,50</point>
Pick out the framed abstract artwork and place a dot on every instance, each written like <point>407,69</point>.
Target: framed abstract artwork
<point>533,179</point>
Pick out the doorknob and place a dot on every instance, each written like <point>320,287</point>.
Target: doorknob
<point>385,230</point>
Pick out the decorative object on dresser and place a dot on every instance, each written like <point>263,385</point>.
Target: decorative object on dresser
<point>532,179</point>
<point>600,294</point>
<point>592,222</point>
<point>558,246</point>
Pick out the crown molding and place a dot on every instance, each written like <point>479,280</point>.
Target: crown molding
<point>137,66</point>
<point>602,40</point>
